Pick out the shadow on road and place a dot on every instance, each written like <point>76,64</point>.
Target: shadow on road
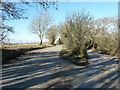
<point>43,69</point>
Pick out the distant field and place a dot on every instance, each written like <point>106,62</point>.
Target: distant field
<point>14,46</point>
<point>12,51</point>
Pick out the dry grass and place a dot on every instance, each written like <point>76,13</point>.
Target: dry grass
<point>12,51</point>
<point>15,46</point>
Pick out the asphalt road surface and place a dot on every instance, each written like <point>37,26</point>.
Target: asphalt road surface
<point>44,68</point>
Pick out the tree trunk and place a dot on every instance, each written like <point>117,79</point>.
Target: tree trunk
<point>41,42</point>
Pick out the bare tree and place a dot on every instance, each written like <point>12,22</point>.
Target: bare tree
<point>9,11</point>
<point>13,10</point>
<point>52,33</point>
<point>40,24</point>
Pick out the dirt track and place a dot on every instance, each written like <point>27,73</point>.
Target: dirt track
<point>42,68</point>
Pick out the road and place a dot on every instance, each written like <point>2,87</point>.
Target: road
<point>44,68</point>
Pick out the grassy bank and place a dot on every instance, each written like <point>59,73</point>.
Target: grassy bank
<point>8,55</point>
<point>81,59</point>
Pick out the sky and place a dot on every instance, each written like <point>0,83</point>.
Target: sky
<point>96,9</point>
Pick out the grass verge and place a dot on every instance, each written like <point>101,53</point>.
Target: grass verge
<point>9,55</point>
<point>81,60</point>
